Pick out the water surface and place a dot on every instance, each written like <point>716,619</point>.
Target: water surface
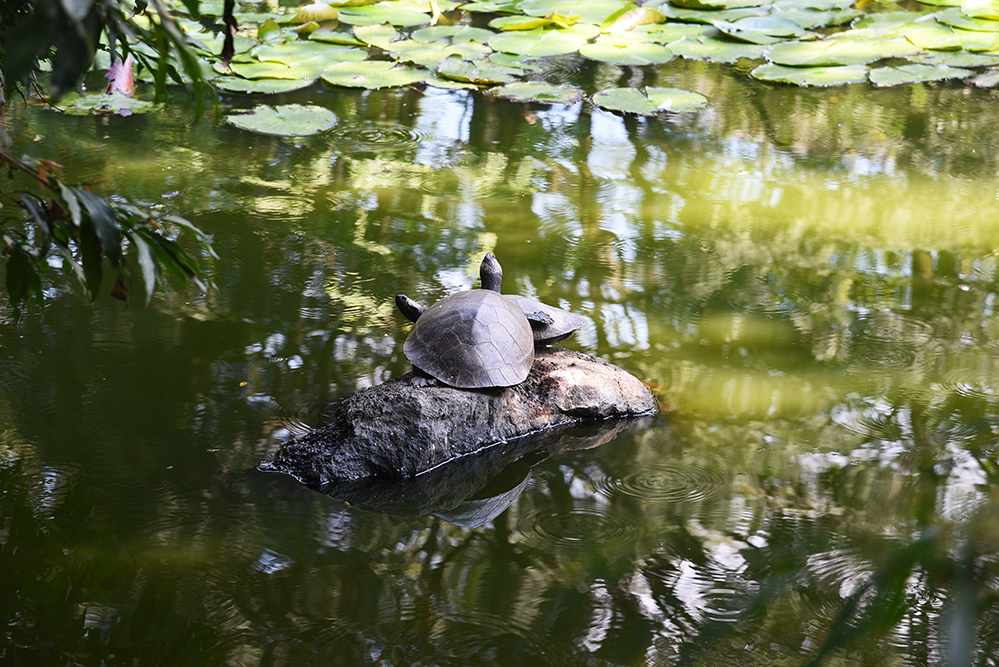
<point>807,279</point>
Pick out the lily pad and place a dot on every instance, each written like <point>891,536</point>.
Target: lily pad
<point>620,50</point>
<point>429,55</point>
<point>956,18</point>
<point>985,9</point>
<point>232,84</point>
<point>479,74</point>
<point>104,103</point>
<point>537,91</point>
<point>932,35</point>
<point>825,53</point>
<point>894,76</point>
<point>760,29</point>
<point>521,22</point>
<point>293,52</point>
<point>309,68</point>
<point>383,13</point>
<point>810,19</point>
<point>718,4</point>
<point>290,120</point>
<point>630,17</point>
<point>316,11</point>
<point>380,35</point>
<point>542,42</point>
<point>458,34</point>
<point>811,76</point>
<point>988,79</point>
<point>373,74</point>
<point>653,100</point>
<point>335,37</point>
<point>959,59</point>
<point>715,50</point>
<point>665,33</point>
<point>590,11</point>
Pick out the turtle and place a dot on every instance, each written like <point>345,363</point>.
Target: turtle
<point>471,340</point>
<point>549,324</point>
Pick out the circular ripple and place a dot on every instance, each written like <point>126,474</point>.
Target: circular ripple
<point>662,481</point>
<point>761,302</point>
<point>303,414</point>
<point>377,137</point>
<point>575,530</point>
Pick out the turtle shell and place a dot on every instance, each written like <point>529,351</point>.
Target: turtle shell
<point>472,339</point>
<point>557,326</point>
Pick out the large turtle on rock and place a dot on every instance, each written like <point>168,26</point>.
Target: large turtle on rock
<point>473,339</point>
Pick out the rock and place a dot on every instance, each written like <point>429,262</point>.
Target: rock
<point>399,429</point>
<point>471,490</point>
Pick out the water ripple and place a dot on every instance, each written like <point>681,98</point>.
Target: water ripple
<point>662,481</point>
<point>577,529</point>
<point>378,137</point>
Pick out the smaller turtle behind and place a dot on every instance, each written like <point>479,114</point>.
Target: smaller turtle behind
<point>549,324</point>
<point>470,340</point>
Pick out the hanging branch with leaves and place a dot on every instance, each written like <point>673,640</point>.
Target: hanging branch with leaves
<point>85,231</point>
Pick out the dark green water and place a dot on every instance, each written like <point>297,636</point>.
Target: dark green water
<point>808,279</point>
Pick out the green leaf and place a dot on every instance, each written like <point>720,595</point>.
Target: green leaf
<point>508,23</point>
<point>588,11</point>
<point>958,59</point>
<point>542,42</point>
<point>894,76</point>
<point>147,266</point>
<point>104,223</point>
<point>988,79</point>
<point>811,76</point>
<point>481,75</point>
<point>335,37</point>
<point>537,91</point>
<point>383,12</point>
<point>102,103</point>
<point>316,11</point>
<point>373,74</point>
<point>932,35</point>
<point>290,120</point>
<point>380,35</point>
<point>458,34</point>
<point>429,55</point>
<point>291,53</point>
<point>630,17</point>
<point>261,86</point>
<point>620,50</point>
<point>715,50</point>
<point>653,100</point>
<point>90,255</point>
<point>760,29</point>
<point>825,53</point>
<point>956,18</point>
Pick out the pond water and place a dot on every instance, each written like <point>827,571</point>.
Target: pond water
<point>807,278</point>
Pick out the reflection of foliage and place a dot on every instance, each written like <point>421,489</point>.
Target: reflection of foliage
<point>69,597</point>
<point>82,230</point>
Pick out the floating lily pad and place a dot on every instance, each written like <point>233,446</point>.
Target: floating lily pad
<point>290,120</point>
<point>653,100</point>
<point>959,59</point>
<point>104,103</point>
<point>458,34</point>
<point>665,33</point>
<point>956,18</point>
<point>521,22</point>
<point>943,3</point>
<point>419,53</point>
<point>894,76</point>
<point>537,91</point>
<point>811,76</point>
<point>985,9</point>
<point>380,35</point>
<point>335,37</point>
<point>932,35</point>
<point>825,53</point>
<point>620,50</point>
<point>760,29</point>
<point>309,68</point>
<point>588,11</point>
<point>373,74</point>
<point>478,73</point>
<point>542,42</point>
<point>630,17</point>
<point>316,11</point>
<point>514,62</point>
<point>988,79</point>
<point>718,4</point>
<point>232,84</point>
<point>810,19</point>
<point>298,51</point>
<point>383,13</point>
<point>715,50</point>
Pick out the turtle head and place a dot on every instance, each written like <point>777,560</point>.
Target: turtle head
<point>408,307</point>
<point>491,273</point>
